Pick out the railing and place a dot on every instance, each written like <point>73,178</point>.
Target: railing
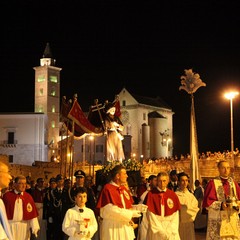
<point>6,144</point>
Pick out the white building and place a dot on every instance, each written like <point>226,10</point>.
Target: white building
<point>149,122</point>
<point>23,137</point>
<point>30,137</point>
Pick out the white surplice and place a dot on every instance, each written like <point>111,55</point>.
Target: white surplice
<point>187,214</point>
<point>73,220</point>
<point>5,232</point>
<point>20,228</point>
<point>157,227</point>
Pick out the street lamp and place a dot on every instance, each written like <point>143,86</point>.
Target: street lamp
<point>230,96</point>
<point>92,156</point>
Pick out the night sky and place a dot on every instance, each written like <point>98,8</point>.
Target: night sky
<point>103,46</point>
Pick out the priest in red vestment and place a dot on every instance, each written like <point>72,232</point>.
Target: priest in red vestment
<point>21,210</point>
<point>115,206</point>
<point>221,199</point>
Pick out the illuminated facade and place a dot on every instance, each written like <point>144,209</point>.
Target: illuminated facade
<point>31,137</point>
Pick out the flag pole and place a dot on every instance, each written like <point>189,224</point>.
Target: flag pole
<point>190,83</point>
<point>193,147</point>
<point>98,107</point>
<point>72,152</point>
<point>72,143</point>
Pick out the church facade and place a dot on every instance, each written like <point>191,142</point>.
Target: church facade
<point>29,137</point>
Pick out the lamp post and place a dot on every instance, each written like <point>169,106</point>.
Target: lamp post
<point>92,155</point>
<point>168,141</point>
<point>231,96</point>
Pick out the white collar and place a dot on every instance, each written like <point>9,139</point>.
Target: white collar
<point>113,183</point>
<point>18,192</point>
<point>160,190</point>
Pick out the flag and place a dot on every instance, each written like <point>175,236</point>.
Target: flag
<point>65,108</point>
<point>81,123</point>
<point>117,106</point>
<point>194,170</point>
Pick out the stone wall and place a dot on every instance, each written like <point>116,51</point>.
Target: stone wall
<point>207,168</point>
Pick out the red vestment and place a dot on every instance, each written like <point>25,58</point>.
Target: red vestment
<point>170,200</point>
<point>29,208</point>
<point>111,194</point>
<point>38,195</point>
<point>210,193</point>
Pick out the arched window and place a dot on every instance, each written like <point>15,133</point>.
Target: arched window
<point>53,108</point>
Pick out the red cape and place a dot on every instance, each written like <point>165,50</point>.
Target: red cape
<point>111,194</point>
<point>171,202</point>
<point>29,207</point>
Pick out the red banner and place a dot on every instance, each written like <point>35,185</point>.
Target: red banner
<point>118,110</point>
<point>82,124</point>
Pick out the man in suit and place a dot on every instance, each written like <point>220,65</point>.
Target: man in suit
<point>61,203</point>
<point>172,185</point>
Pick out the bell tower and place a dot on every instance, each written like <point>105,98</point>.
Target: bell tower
<point>47,98</point>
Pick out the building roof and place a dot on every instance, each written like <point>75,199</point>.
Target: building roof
<point>47,52</point>
<point>156,102</point>
<point>155,115</point>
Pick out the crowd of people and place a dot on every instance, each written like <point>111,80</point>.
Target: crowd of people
<point>164,207</point>
<point>218,155</point>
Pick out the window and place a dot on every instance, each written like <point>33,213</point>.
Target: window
<point>53,124</point>
<point>124,103</point>
<point>10,137</point>
<point>53,79</point>
<point>99,148</point>
<point>144,116</point>
<point>10,158</point>
<point>41,91</point>
<point>40,108</point>
<point>53,91</point>
<point>53,108</point>
<point>41,79</point>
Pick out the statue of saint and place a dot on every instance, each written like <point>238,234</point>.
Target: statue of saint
<point>113,130</point>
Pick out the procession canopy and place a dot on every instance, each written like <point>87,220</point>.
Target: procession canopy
<point>71,113</point>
